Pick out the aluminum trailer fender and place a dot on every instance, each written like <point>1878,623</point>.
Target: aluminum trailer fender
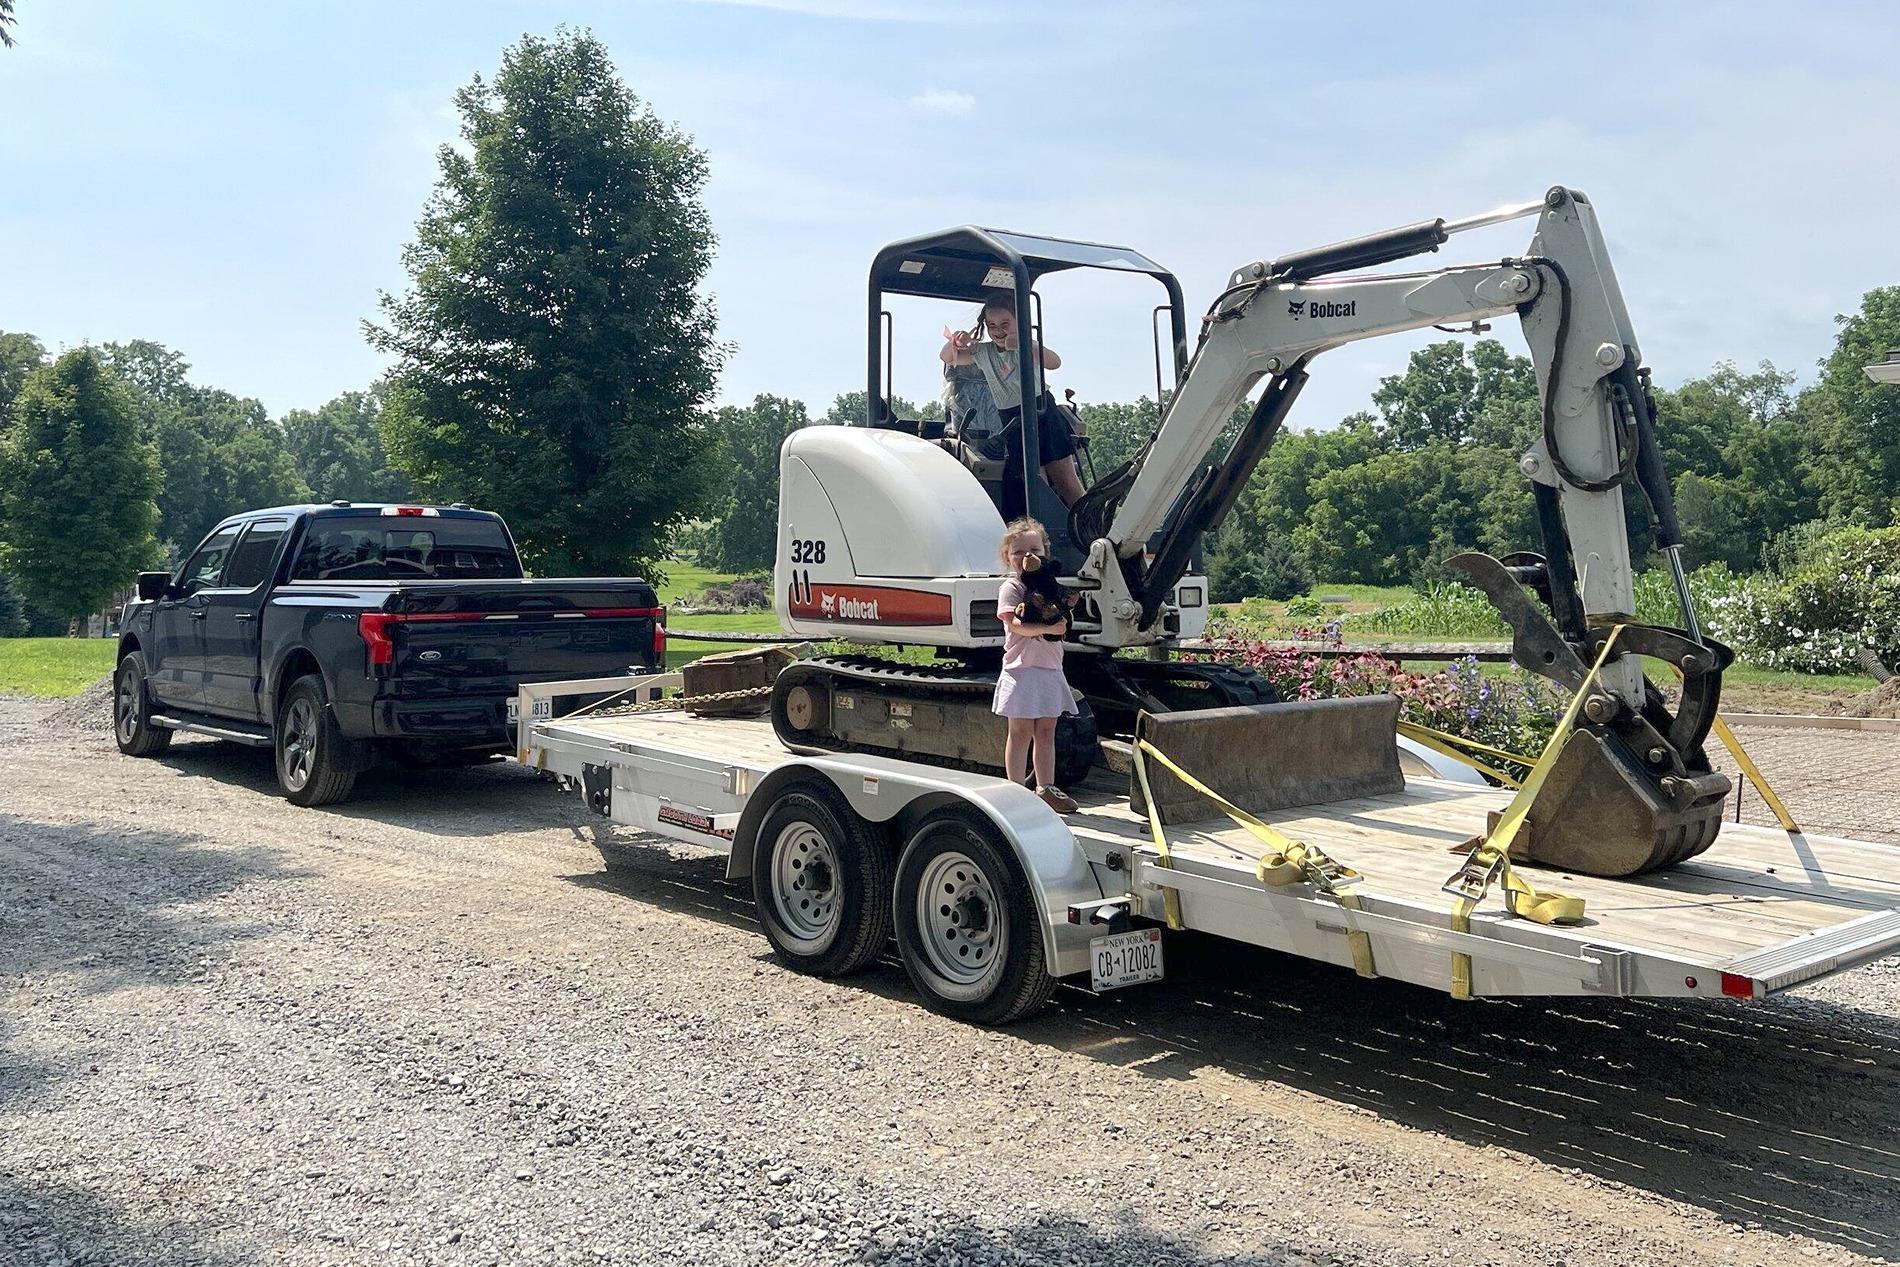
<point>901,793</point>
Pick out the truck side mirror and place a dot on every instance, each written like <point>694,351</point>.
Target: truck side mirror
<point>154,585</point>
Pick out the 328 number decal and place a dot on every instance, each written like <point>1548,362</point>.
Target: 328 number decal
<point>808,551</point>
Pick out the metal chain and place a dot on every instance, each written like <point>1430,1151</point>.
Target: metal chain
<point>683,701</point>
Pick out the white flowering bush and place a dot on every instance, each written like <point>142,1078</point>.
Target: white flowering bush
<point>1844,595</point>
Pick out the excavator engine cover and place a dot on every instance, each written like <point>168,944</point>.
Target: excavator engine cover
<point>1600,813</point>
<point>1265,757</point>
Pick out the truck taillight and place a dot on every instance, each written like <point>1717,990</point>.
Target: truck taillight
<point>659,639</point>
<point>374,627</point>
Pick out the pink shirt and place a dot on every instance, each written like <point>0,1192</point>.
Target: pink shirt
<point>1020,652</point>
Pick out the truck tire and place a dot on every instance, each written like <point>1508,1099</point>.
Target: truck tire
<point>822,883</point>
<point>967,924</point>
<point>132,711</point>
<point>315,764</point>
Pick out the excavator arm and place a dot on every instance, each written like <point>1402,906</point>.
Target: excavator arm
<point>1633,762</point>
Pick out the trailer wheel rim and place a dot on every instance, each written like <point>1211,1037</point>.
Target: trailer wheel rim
<point>805,888</point>
<point>964,924</point>
<point>300,743</point>
<point>128,705</point>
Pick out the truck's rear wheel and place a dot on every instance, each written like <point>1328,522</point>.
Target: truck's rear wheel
<point>967,924</point>
<point>315,765</point>
<point>822,882</point>
<point>132,711</point>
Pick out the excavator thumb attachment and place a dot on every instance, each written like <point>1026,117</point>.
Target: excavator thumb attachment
<point>1272,756</point>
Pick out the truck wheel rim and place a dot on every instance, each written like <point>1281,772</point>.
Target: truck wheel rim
<point>300,744</point>
<point>805,891</point>
<point>128,706</point>
<point>963,924</point>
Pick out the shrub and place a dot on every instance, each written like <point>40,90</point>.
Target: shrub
<point>741,594</point>
<point>1516,712</point>
<point>1443,609</point>
<point>1305,605</point>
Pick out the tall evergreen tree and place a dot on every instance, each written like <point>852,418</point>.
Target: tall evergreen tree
<point>76,487</point>
<point>553,349</point>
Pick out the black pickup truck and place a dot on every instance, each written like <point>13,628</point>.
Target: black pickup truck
<point>339,634</point>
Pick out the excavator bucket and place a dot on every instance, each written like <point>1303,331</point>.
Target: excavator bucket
<point>1272,756</point>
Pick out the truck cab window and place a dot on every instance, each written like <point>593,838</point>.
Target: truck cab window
<point>364,548</point>
<point>203,569</point>
<point>250,562</point>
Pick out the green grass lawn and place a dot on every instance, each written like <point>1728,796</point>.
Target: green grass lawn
<point>52,667</point>
<point>683,580</point>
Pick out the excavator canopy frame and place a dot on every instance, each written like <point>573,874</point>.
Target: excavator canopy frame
<point>970,263</point>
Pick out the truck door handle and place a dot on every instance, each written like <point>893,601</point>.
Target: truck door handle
<point>247,615</point>
<point>198,613</point>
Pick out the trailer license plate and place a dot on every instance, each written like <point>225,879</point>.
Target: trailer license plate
<point>514,711</point>
<point>1126,958</point>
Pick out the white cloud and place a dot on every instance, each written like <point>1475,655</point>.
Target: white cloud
<point>944,101</point>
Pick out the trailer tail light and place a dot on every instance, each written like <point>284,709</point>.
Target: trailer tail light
<point>1738,987</point>
<point>374,627</point>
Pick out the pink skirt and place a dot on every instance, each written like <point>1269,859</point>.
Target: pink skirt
<point>1033,693</point>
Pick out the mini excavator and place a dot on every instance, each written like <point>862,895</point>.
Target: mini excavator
<point>888,531</point>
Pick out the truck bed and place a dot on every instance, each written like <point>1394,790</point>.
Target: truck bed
<point>1759,913</point>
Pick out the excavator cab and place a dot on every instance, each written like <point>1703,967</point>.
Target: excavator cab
<point>967,265</point>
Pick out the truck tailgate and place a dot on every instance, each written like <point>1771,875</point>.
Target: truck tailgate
<point>453,636</point>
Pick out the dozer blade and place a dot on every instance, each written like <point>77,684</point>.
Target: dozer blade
<point>1272,756</point>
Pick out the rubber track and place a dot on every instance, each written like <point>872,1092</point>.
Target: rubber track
<point>964,687</point>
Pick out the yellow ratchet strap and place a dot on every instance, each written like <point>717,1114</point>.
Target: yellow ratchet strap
<point>1751,770</point>
<point>1490,861</point>
<point>1756,777</point>
<point>1456,746</point>
<point>1286,861</point>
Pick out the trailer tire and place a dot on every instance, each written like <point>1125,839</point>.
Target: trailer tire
<point>967,923</point>
<point>822,883</point>
<point>132,711</point>
<point>315,764</point>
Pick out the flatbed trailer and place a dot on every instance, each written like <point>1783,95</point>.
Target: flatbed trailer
<point>1036,896</point>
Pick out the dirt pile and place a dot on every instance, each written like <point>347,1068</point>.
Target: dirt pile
<point>90,710</point>
<point>1881,701</point>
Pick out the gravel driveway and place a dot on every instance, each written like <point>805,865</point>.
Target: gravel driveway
<point>458,1020</point>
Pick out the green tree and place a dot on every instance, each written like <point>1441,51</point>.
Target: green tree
<point>848,410</point>
<point>1856,420</point>
<point>745,532</point>
<point>6,20</point>
<point>1116,429</point>
<point>218,454</point>
<point>1488,395</point>
<point>338,453</point>
<point>553,349</point>
<point>76,487</point>
<point>1738,459</point>
<point>20,355</point>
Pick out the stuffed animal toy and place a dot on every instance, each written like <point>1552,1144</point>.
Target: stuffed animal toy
<point>1047,602</point>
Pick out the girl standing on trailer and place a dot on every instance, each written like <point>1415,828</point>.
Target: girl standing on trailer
<point>1031,693</point>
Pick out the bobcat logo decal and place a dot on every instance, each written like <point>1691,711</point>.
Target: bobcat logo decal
<point>1296,308</point>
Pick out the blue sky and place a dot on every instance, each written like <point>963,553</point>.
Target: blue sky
<point>237,181</point>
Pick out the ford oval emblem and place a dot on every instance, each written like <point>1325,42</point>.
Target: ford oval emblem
<point>429,657</point>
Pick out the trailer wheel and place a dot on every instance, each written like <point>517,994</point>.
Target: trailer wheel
<point>967,924</point>
<point>822,883</point>
<point>314,762</point>
<point>132,711</point>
